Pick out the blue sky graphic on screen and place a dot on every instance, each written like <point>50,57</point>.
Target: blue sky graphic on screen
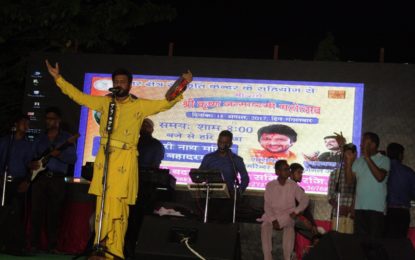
<point>270,120</point>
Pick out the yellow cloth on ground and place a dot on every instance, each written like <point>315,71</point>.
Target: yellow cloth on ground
<point>122,178</point>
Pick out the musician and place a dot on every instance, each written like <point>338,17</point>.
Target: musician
<point>48,188</point>
<point>230,165</point>
<point>401,190</point>
<point>150,149</point>
<point>151,153</point>
<point>122,182</point>
<point>15,157</point>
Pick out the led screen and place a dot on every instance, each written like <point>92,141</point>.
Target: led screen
<point>307,112</point>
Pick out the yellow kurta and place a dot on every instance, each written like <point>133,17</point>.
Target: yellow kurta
<point>122,178</point>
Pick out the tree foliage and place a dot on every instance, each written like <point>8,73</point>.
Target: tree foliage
<point>64,26</point>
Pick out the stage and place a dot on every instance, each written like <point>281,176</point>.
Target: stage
<point>79,206</point>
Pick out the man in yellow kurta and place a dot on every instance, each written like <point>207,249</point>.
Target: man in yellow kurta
<point>122,178</point>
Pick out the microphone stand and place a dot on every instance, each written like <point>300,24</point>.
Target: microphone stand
<point>6,169</point>
<point>205,217</point>
<point>338,191</point>
<point>235,185</point>
<point>98,248</point>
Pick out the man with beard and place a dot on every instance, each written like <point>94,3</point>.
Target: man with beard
<point>334,153</point>
<point>122,179</point>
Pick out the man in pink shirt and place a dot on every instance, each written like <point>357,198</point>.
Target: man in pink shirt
<point>280,210</point>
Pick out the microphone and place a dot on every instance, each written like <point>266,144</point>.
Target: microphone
<point>114,90</point>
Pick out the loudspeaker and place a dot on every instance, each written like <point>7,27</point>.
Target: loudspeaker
<point>336,245</point>
<point>161,238</point>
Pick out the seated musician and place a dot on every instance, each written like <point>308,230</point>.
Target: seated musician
<point>151,153</point>
<point>230,164</point>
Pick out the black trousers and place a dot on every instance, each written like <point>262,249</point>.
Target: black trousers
<point>397,222</point>
<point>369,223</point>
<point>220,210</point>
<point>48,195</point>
<point>13,222</point>
<point>146,199</point>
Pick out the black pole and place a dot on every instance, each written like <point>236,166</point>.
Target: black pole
<point>235,184</point>
<point>6,169</point>
<point>98,248</point>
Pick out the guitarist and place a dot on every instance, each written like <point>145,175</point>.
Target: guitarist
<point>15,157</point>
<point>48,188</point>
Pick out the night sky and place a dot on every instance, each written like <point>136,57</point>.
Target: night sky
<point>251,29</point>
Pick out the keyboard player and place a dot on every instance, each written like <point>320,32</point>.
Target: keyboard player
<point>230,164</point>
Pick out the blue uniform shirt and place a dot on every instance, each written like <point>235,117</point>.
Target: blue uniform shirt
<point>58,165</point>
<point>150,152</point>
<point>401,185</point>
<point>20,155</point>
<point>213,161</point>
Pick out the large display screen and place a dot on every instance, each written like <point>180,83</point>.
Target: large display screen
<point>270,120</point>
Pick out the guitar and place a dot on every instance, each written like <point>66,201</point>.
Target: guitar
<point>44,159</point>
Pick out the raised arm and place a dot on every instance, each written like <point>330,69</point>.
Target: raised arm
<point>378,172</point>
<point>341,141</point>
<point>93,102</point>
<point>349,158</point>
<point>150,107</point>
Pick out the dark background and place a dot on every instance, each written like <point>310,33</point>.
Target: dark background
<point>306,31</point>
<point>250,29</point>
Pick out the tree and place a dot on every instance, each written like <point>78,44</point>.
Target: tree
<point>63,26</point>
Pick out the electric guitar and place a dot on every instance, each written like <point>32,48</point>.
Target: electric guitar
<point>44,159</point>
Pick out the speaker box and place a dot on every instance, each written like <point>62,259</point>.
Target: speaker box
<point>336,245</point>
<point>161,238</point>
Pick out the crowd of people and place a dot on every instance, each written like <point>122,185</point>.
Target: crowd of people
<point>370,196</point>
